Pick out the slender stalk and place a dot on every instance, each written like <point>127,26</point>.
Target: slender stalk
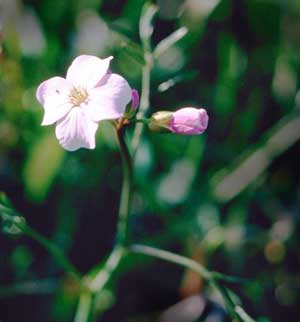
<point>144,121</point>
<point>243,315</point>
<point>146,80</point>
<point>122,227</point>
<point>145,100</point>
<point>111,264</point>
<point>145,30</point>
<point>53,249</point>
<point>173,258</point>
<point>212,277</point>
<point>98,283</point>
<point>226,297</point>
<point>84,307</point>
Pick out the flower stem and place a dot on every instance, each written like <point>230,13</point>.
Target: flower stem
<point>9,215</point>
<point>84,307</point>
<point>122,227</point>
<point>54,250</point>
<point>103,276</point>
<point>212,277</point>
<point>144,121</point>
<point>171,257</point>
<point>105,273</point>
<point>145,100</point>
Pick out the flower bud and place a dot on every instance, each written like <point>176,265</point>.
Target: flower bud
<point>185,121</point>
<point>189,121</point>
<point>135,101</point>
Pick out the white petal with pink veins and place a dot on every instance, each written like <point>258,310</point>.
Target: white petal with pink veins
<point>76,131</point>
<point>87,71</point>
<point>53,94</point>
<point>109,100</point>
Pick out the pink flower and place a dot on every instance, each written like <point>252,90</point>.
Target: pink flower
<point>77,103</point>
<point>188,121</point>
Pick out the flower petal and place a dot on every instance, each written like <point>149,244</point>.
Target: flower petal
<point>189,121</point>
<point>76,131</point>
<point>87,71</point>
<point>53,95</point>
<point>109,100</point>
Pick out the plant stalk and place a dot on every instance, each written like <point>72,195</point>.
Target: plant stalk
<point>84,307</point>
<point>104,275</point>
<point>52,248</point>
<point>122,226</point>
<point>234,310</point>
<point>145,101</point>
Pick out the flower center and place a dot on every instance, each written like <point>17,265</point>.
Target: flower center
<point>78,95</point>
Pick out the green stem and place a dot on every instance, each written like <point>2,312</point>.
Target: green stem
<point>212,277</point>
<point>226,297</point>
<point>145,100</point>
<point>105,274</point>
<point>84,307</point>
<point>144,121</point>
<point>53,249</point>
<point>111,264</point>
<point>122,227</point>
<point>171,257</point>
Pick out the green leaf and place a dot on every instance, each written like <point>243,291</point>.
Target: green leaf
<point>169,41</point>
<point>4,200</point>
<point>41,167</point>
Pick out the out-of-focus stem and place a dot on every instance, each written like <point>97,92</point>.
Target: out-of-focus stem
<point>144,121</point>
<point>173,258</point>
<point>104,275</point>
<point>122,227</point>
<point>84,307</point>
<point>52,248</point>
<point>213,278</point>
<point>145,100</point>
<point>145,30</point>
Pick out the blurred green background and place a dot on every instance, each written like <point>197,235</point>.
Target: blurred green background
<point>229,198</point>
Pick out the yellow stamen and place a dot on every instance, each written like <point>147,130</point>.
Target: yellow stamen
<point>78,95</point>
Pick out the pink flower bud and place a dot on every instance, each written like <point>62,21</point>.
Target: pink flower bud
<point>135,99</point>
<point>132,108</point>
<point>189,121</point>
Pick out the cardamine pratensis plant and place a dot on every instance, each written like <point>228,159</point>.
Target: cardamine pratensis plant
<point>77,104</point>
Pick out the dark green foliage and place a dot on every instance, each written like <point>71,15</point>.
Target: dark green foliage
<point>228,198</point>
